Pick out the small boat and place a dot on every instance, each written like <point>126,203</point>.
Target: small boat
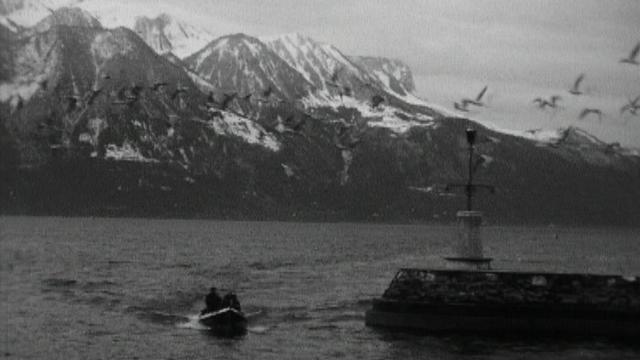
<point>225,322</point>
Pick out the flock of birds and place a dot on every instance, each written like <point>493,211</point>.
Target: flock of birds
<point>552,102</point>
<point>346,135</point>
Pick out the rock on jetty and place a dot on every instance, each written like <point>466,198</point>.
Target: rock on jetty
<point>540,303</point>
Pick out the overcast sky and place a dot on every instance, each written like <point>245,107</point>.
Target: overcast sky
<point>521,49</point>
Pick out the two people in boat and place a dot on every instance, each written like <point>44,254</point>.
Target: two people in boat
<point>214,302</point>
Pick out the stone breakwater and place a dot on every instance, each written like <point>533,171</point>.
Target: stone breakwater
<point>530,304</point>
<point>585,291</point>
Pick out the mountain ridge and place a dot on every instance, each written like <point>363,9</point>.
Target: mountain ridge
<point>96,122</point>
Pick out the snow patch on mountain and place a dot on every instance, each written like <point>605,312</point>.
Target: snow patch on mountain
<point>126,152</point>
<point>395,74</point>
<point>18,91</point>
<point>166,34</point>
<point>203,55</point>
<point>112,14</point>
<point>202,84</point>
<point>33,63</point>
<point>106,45</point>
<point>544,136</point>
<point>389,117</point>
<point>398,125</point>
<point>249,131</point>
<point>8,24</point>
<point>27,13</point>
<point>316,61</point>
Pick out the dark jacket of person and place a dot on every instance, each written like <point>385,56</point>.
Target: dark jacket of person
<point>212,301</point>
<point>231,300</point>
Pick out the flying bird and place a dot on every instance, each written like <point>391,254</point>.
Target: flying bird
<point>227,99</point>
<point>156,85</point>
<point>72,103</point>
<point>563,137</point>
<point>367,84</point>
<point>92,95</point>
<point>478,100</point>
<point>210,98</point>
<point>336,74</point>
<point>586,111</point>
<point>179,90</point>
<point>481,160</point>
<point>335,80</point>
<point>122,93</point>
<point>632,59</point>
<point>342,129</point>
<point>632,106</point>
<point>541,102</point>
<point>267,96</point>
<point>461,106</point>
<point>294,123</point>
<point>267,92</point>
<point>19,103</point>
<point>575,90</point>
<point>611,148</point>
<point>376,100</point>
<point>552,102</point>
<point>136,90</point>
<point>349,145</point>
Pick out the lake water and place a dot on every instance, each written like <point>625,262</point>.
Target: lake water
<point>93,288</point>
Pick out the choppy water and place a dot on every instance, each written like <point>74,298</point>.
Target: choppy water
<point>130,288</point>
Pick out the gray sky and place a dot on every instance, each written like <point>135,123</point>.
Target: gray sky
<point>520,49</point>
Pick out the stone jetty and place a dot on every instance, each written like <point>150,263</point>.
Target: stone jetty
<point>515,288</point>
<point>468,296</point>
<point>497,301</point>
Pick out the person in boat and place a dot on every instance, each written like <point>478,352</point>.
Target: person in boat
<point>213,301</point>
<point>230,300</point>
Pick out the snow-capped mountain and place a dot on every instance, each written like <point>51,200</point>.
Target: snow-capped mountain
<point>393,73</point>
<point>243,64</point>
<point>64,16</point>
<point>165,34</point>
<point>20,14</point>
<point>322,65</point>
<point>95,121</point>
<point>95,91</point>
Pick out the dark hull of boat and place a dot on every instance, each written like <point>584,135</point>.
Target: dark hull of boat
<point>226,322</point>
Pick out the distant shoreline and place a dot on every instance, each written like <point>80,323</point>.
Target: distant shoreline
<point>327,220</point>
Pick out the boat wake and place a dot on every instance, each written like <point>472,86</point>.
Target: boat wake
<point>193,323</point>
